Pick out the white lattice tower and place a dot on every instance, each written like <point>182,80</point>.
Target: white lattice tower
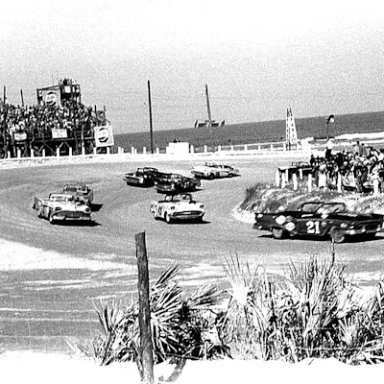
<point>291,132</point>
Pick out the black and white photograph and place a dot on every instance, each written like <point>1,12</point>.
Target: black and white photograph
<point>191,191</point>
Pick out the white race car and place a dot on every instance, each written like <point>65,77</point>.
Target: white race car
<point>178,207</point>
<point>214,171</point>
<point>62,207</point>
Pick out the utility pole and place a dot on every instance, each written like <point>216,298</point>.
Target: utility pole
<point>72,117</point>
<point>208,106</point>
<point>150,115</point>
<point>22,98</point>
<point>145,358</point>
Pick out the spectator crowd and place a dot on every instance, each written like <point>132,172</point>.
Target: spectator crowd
<point>38,121</point>
<point>358,168</point>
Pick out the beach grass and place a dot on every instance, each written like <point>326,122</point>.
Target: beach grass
<point>313,312</point>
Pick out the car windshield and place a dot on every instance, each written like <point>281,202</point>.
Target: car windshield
<point>331,208</point>
<point>59,198</point>
<point>70,188</point>
<point>310,207</point>
<point>177,198</point>
<point>185,198</point>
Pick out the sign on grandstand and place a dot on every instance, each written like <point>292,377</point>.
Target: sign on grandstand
<point>104,136</point>
<point>20,136</point>
<point>59,133</point>
<point>50,96</point>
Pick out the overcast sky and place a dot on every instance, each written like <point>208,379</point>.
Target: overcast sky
<point>258,57</point>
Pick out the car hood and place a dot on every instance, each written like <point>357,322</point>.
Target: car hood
<point>183,206</point>
<point>356,216</point>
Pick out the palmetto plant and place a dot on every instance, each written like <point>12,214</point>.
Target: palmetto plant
<point>181,324</point>
<point>313,312</point>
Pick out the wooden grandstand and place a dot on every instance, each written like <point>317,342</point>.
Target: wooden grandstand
<point>58,124</point>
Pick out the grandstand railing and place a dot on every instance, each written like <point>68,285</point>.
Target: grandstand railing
<point>119,152</point>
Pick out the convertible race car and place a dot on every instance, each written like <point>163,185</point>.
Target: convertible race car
<point>142,177</point>
<point>62,207</point>
<point>320,219</point>
<point>177,207</point>
<point>176,183</point>
<point>80,192</point>
<point>214,171</point>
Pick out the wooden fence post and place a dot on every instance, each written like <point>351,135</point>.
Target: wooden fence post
<point>146,347</point>
<point>339,183</point>
<point>310,182</point>
<point>294,180</point>
<point>277,178</point>
<point>375,186</point>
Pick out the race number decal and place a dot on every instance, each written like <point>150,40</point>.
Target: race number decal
<point>313,227</point>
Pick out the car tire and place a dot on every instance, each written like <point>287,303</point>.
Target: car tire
<point>336,235</point>
<point>277,233</point>
<point>167,218</point>
<point>40,212</point>
<point>50,218</point>
<point>211,176</point>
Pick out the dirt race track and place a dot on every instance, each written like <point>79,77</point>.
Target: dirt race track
<point>52,276</point>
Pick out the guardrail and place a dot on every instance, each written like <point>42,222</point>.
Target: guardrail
<point>119,153</point>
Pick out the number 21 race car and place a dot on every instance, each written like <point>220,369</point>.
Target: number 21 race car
<point>320,219</point>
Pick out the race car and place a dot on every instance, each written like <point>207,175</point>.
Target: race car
<point>62,207</point>
<point>213,171</point>
<point>80,192</point>
<point>142,177</point>
<point>178,207</point>
<point>320,219</point>
<point>176,183</point>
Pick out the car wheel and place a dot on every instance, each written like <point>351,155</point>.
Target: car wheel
<point>278,233</point>
<point>167,218</point>
<point>40,212</point>
<point>336,235</point>
<point>211,176</point>
<point>51,219</point>
<point>369,236</point>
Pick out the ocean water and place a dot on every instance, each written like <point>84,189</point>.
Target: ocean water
<point>248,133</point>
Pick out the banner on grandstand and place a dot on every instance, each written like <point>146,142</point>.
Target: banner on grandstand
<point>49,96</point>
<point>59,133</point>
<point>20,136</point>
<point>104,136</point>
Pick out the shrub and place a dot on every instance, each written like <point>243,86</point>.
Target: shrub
<point>183,326</point>
<point>314,312</point>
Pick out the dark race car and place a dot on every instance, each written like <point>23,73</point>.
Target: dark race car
<point>80,192</point>
<point>176,183</point>
<point>142,177</point>
<point>320,219</point>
